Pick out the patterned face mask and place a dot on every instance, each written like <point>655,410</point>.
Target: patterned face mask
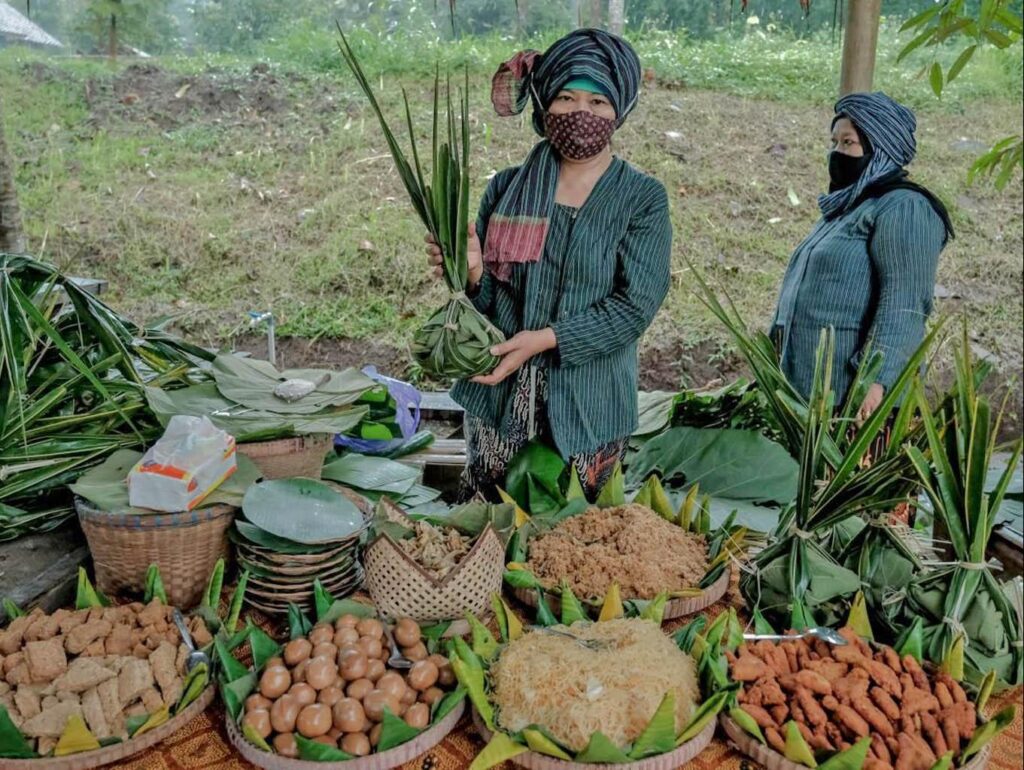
<point>578,135</point>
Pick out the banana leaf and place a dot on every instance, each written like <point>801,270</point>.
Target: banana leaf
<point>735,464</point>
<point>301,510</point>
<point>372,475</point>
<point>252,383</point>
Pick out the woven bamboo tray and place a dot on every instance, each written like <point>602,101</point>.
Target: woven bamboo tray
<point>676,608</point>
<point>185,546</point>
<point>289,457</point>
<point>119,751</point>
<point>385,760</point>
<point>670,761</point>
<point>399,587</point>
<point>773,760</point>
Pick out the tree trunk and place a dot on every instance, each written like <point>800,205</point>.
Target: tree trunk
<point>522,15</point>
<point>860,41</point>
<point>12,238</point>
<point>617,16</point>
<point>575,16</point>
<point>112,45</point>
<point>594,19</point>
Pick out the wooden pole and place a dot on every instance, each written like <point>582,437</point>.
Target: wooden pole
<point>860,41</point>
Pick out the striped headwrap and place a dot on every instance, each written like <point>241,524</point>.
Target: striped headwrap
<point>518,227</point>
<point>889,128</point>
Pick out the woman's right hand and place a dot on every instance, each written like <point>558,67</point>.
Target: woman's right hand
<point>474,257</point>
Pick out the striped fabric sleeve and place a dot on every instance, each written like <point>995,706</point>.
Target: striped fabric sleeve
<point>642,281</point>
<point>904,249</point>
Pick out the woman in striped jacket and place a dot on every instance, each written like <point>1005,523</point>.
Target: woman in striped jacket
<point>868,267</point>
<point>569,257</point>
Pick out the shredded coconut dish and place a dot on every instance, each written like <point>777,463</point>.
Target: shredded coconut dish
<point>630,545</point>
<point>614,685</point>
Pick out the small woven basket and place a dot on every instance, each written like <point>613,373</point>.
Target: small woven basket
<point>185,546</point>
<point>287,458</point>
<point>401,588</point>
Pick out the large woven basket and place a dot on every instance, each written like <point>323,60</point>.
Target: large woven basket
<point>287,458</point>
<point>185,546</point>
<point>119,751</point>
<point>670,761</point>
<point>399,587</point>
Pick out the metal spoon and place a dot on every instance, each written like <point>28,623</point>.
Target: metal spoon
<point>590,644</point>
<point>825,634</point>
<point>397,659</point>
<point>195,657</point>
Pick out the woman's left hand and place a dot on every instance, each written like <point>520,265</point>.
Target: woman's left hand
<point>871,402</point>
<point>516,352</point>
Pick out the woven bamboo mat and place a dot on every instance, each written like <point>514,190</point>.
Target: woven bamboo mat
<point>203,744</point>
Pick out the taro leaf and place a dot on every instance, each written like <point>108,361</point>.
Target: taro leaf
<point>263,647</point>
<point>372,474</point>
<point>246,425</point>
<point>106,485</point>
<point>251,382</point>
<point>233,490</point>
<point>341,607</point>
<point>12,743</point>
<point>542,743</point>
<point>571,608</point>
<point>231,668</point>
<point>797,749</point>
<point>747,722</point>
<point>655,410</point>
<point>500,748</point>
<point>483,642</point>
<point>736,464</point>
<point>446,705</point>
<point>600,750</point>
<point>312,751</point>
<point>234,694</point>
<point>988,731</point>
<point>543,497</point>
<point>852,758</point>
<point>195,682</point>
<point>705,713</point>
<point>535,460</point>
<point>394,731</point>
<point>298,623</point>
<point>613,493</point>
<point>473,517</point>
<point>301,510</point>
<point>659,736</point>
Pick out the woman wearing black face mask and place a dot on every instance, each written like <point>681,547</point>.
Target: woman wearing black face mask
<point>570,259</point>
<point>868,267</point>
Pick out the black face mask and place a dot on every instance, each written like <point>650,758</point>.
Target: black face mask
<point>844,170</point>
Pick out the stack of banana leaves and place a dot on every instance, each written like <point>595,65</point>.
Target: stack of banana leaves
<point>965,609</point>
<point>253,401</point>
<point>72,379</point>
<point>847,470</point>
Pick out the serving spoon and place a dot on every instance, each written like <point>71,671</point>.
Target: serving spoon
<point>195,657</point>
<point>827,635</point>
<point>397,659</point>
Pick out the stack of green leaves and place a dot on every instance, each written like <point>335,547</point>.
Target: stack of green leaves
<point>739,404</point>
<point>795,581</point>
<point>72,380</point>
<point>457,339</point>
<point>962,601</point>
<point>377,477</point>
<point>250,399</point>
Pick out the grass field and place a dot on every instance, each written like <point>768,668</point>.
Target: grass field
<point>207,187</point>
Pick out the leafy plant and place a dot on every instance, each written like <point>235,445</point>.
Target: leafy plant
<point>457,339</point>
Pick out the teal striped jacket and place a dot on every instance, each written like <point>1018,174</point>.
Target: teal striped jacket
<point>615,274</point>
<point>869,274</point>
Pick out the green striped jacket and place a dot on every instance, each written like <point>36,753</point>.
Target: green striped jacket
<point>869,274</point>
<point>615,274</point>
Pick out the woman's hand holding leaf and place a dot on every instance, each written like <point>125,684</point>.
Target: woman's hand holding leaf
<point>474,258</point>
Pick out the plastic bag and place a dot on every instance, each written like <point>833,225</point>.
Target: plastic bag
<point>190,460</point>
<point>407,416</point>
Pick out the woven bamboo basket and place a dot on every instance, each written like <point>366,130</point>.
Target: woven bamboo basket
<point>670,761</point>
<point>399,587</point>
<point>385,760</point>
<point>773,760</point>
<point>119,751</point>
<point>287,458</point>
<point>185,546</point>
<point>674,608</point>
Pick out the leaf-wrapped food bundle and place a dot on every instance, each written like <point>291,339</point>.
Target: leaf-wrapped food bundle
<point>456,341</point>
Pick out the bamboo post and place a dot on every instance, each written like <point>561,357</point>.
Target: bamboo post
<point>860,43</point>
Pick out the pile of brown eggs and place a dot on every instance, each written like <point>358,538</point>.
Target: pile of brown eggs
<point>334,686</point>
